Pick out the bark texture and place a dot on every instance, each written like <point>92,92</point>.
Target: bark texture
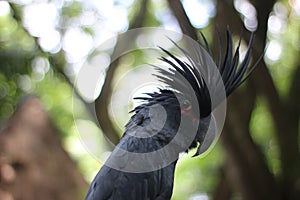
<point>33,163</point>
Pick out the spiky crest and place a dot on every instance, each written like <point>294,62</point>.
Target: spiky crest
<point>232,73</point>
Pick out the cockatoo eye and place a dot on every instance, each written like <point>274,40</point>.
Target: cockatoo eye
<point>186,105</point>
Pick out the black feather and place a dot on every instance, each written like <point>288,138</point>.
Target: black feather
<point>232,73</point>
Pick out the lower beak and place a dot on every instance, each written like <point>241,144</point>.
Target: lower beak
<point>208,139</point>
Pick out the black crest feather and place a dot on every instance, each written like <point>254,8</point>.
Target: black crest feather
<point>199,76</point>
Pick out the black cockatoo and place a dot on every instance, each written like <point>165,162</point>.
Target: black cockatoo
<point>173,120</point>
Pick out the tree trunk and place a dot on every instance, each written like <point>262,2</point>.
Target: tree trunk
<point>33,163</point>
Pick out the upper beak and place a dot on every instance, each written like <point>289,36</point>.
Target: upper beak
<point>207,139</point>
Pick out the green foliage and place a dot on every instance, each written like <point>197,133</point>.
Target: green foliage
<point>197,175</point>
<point>20,77</point>
<point>14,38</point>
<point>283,69</point>
<point>262,129</point>
<point>72,9</point>
<point>8,100</point>
<point>56,96</point>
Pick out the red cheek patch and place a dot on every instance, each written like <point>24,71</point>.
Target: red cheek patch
<point>189,113</point>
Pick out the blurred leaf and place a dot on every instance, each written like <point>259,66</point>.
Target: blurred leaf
<point>88,30</point>
<point>74,9</point>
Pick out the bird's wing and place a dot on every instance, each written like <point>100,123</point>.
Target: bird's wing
<point>116,183</point>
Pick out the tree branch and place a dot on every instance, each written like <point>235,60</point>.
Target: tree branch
<point>182,18</point>
<point>250,173</point>
<point>239,146</point>
<point>223,190</point>
<point>103,100</point>
<point>232,139</point>
<point>250,159</point>
<point>286,126</point>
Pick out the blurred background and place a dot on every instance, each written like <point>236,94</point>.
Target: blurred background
<point>45,106</point>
